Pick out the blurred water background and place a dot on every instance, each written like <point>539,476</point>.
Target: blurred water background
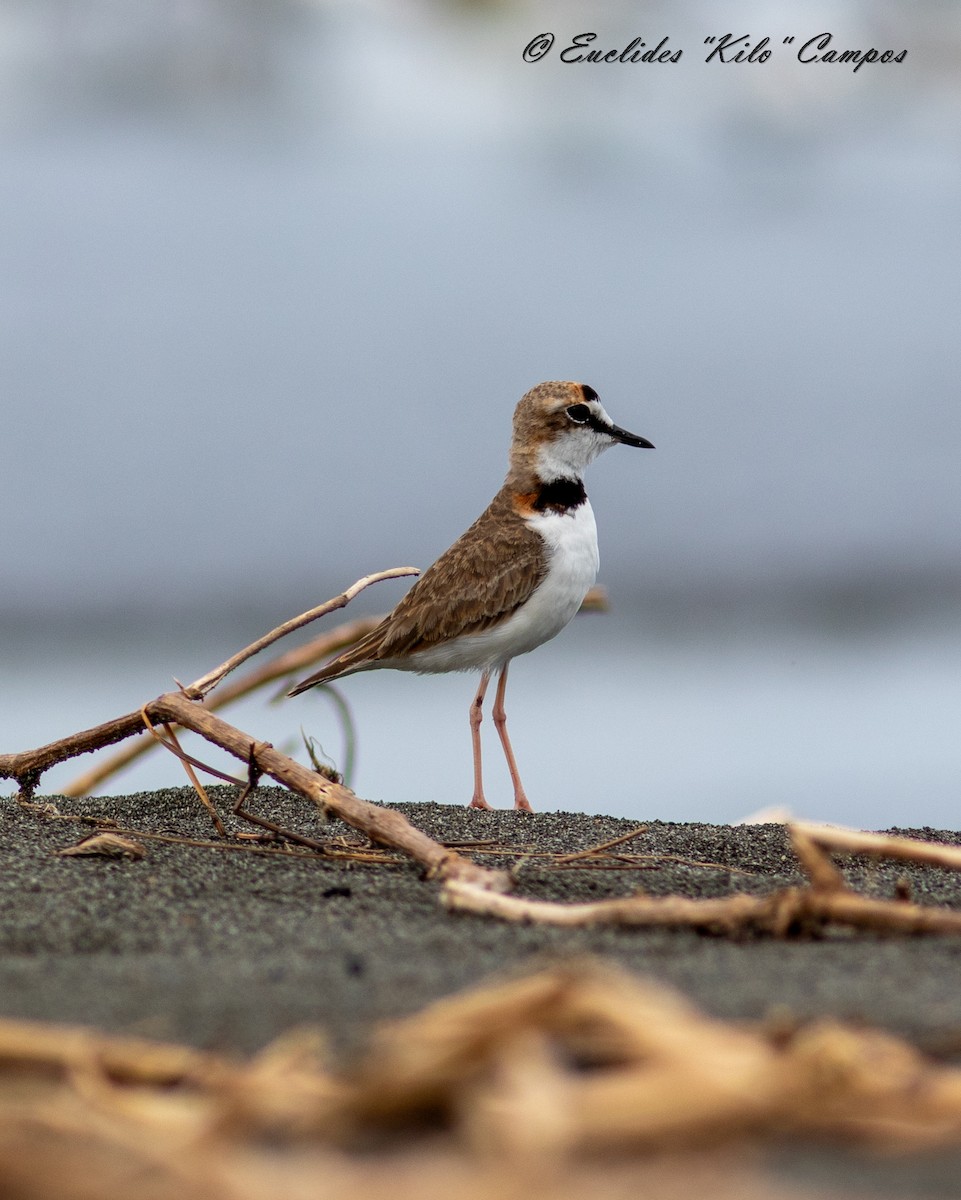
<point>272,278</point>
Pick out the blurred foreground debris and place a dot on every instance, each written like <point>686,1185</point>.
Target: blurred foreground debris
<point>577,1073</point>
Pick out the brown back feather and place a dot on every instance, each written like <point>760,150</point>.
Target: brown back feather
<point>480,580</point>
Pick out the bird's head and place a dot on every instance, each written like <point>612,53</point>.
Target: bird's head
<point>560,428</point>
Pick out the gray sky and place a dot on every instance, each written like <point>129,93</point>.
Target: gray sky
<point>271,286</point>
<point>272,278</point>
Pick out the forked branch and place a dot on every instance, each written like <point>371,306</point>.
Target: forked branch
<point>28,766</point>
<point>383,826</point>
<point>293,662</point>
<point>477,889</point>
<point>298,661</point>
<point>199,689</point>
<point>827,899</point>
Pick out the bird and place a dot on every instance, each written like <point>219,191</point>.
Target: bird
<point>515,578</point>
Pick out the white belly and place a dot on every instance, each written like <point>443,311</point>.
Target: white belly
<point>571,541</point>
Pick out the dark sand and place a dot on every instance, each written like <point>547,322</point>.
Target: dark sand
<point>227,949</point>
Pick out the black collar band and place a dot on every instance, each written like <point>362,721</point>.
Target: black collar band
<point>560,495</point>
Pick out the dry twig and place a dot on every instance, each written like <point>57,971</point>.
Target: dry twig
<point>283,667</point>
<point>593,851</point>
<point>524,1081</point>
<point>201,687</point>
<point>879,845</point>
<point>28,766</point>
<point>827,901</point>
<point>292,662</point>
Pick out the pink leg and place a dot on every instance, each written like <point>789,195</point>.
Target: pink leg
<point>500,721</point>
<point>476,716</point>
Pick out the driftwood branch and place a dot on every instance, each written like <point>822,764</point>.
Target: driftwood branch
<point>469,887</point>
<point>293,662</point>
<point>383,826</point>
<point>199,689</point>
<point>828,899</point>
<point>302,658</point>
<point>191,708</point>
<point>782,912</point>
<point>878,845</point>
<point>28,766</point>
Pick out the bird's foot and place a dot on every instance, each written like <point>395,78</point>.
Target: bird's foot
<point>522,804</point>
<point>478,801</point>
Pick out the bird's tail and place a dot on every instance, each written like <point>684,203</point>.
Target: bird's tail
<point>331,671</point>
<point>354,659</point>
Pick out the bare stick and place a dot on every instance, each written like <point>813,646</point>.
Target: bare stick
<point>385,826</point>
<point>776,913</point>
<point>823,874</point>
<point>592,850</point>
<point>291,663</point>
<point>881,845</point>
<point>28,766</point>
<point>206,683</point>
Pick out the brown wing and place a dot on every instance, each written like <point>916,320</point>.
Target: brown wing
<point>487,573</point>
<point>484,576</point>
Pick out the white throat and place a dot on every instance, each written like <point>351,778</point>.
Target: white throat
<point>568,455</point>
<point>572,450</point>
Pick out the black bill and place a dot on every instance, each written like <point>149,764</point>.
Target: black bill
<point>619,435</point>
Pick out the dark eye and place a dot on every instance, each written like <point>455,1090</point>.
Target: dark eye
<point>579,413</point>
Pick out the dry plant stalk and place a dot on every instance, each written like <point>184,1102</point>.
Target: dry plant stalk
<point>28,766</point>
<point>200,687</point>
<point>826,900</point>
<point>476,889</point>
<point>381,825</point>
<point>293,662</point>
<point>535,1077</point>
<point>282,667</point>
<point>880,845</point>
